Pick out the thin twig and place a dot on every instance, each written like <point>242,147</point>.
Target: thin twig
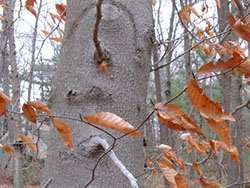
<point>47,183</point>
<point>246,104</point>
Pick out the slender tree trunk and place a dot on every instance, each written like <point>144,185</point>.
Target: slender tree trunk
<point>80,88</point>
<point>15,122</point>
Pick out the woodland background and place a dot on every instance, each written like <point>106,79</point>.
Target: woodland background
<point>192,40</point>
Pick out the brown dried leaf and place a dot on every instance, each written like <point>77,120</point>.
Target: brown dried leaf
<point>3,4</point>
<point>207,108</point>
<point>233,151</point>
<point>167,161</point>
<point>30,2</point>
<point>193,10</point>
<point>151,165</point>
<point>213,146</point>
<point>61,9</point>
<point>192,142</point>
<point>182,165</point>
<point>241,29</point>
<point>8,150</point>
<point>218,3</point>
<point>185,15</point>
<point>1,18</point>
<point>196,168</point>
<point>244,68</point>
<point>221,129</point>
<point>58,39</point>
<point>5,98</point>
<point>195,46</point>
<point>180,181</point>
<point>32,10</point>
<point>248,145</point>
<point>174,118</point>
<point>168,151</point>
<point>169,173</point>
<point>205,183</point>
<point>46,32</point>
<point>204,145</point>
<point>29,142</point>
<point>39,105</point>
<point>2,107</point>
<point>111,121</point>
<point>204,7</point>
<point>29,113</point>
<point>65,131</point>
<point>153,2</point>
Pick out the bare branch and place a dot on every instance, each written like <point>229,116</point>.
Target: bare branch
<point>246,104</point>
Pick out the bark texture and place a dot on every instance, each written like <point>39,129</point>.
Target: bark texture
<point>79,87</point>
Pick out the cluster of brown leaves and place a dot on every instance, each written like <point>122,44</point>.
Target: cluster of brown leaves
<point>30,114</point>
<point>60,16</point>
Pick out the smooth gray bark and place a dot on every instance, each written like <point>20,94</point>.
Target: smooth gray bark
<point>80,88</point>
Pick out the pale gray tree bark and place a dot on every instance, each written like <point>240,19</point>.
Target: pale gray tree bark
<point>231,87</point>
<point>15,123</point>
<point>80,88</point>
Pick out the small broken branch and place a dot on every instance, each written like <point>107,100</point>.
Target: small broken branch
<point>99,51</point>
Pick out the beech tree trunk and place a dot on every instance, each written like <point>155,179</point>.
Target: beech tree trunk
<point>80,88</point>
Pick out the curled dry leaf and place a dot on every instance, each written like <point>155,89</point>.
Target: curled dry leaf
<point>2,107</point>
<point>196,168</point>
<point>58,39</point>
<point>30,2</point>
<point>174,118</point>
<point>111,121</point>
<point>212,143</point>
<point>29,113</point>
<point>65,131</point>
<point>39,106</point>
<point>3,4</point>
<point>169,153</point>
<point>233,151</point>
<point>169,173</point>
<point>61,9</point>
<point>218,3</point>
<point>241,29</point>
<point>192,142</point>
<point>167,161</point>
<point>248,145</point>
<point>3,100</point>
<point>8,150</point>
<point>180,181</point>
<point>205,183</point>
<point>185,15</point>
<point>151,165</point>
<point>244,68</point>
<point>29,142</point>
<point>210,111</point>
<point>182,165</point>
<point>32,10</point>
<point>193,10</point>
<point>221,65</point>
<point>221,129</point>
<point>46,32</point>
